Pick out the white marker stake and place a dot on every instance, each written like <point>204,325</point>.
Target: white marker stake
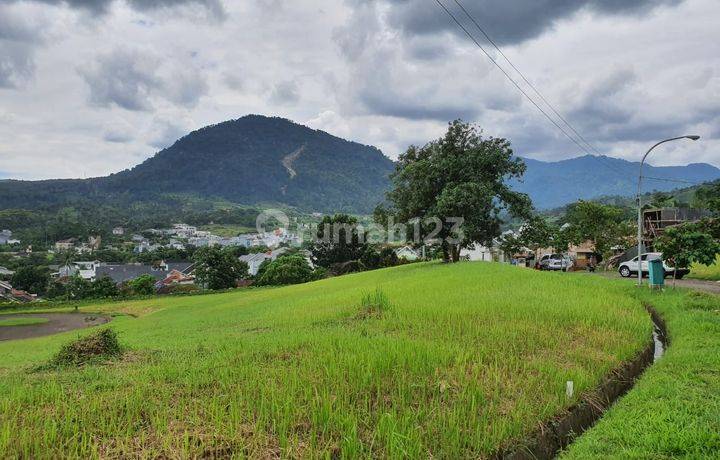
<point>569,389</point>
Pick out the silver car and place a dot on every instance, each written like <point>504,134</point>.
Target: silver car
<point>556,262</point>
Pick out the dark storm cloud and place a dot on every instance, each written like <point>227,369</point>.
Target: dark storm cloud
<point>124,78</point>
<point>131,79</point>
<point>98,7</point>
<point>19,36</point>
<point>506,21</point>
<point>412,109</point>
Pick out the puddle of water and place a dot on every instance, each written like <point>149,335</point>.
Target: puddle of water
<point>659,345</point>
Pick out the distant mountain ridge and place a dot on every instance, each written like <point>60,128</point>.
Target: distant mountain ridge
<point>554,184</point>
<point>258,160</point>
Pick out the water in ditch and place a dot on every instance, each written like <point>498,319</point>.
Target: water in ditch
<point>659,339</point>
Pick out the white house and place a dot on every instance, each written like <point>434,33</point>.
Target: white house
<point>479,253</point>
<point>118,231</point>
<point>407,253</point>
<point>255,260</point>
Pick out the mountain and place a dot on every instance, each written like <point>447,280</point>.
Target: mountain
<point>251,160</point>
<point>554,184</point>
<point>257,160</point>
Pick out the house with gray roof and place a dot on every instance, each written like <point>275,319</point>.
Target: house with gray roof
<point>127,272</point>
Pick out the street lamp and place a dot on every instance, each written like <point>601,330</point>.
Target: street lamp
<point>639,204</point>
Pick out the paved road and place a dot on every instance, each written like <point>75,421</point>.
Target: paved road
<point>698,285</point>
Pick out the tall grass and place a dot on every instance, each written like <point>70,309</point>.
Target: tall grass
<point>459,361</point>
<point>674,409</point>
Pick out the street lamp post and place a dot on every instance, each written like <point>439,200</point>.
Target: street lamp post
<point>639,203</point>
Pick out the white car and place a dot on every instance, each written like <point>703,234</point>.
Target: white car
<point>556,262</point>
<point>630,268</point>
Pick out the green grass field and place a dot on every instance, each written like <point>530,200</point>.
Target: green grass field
<point>674,409</point>
<point>466,359</point>
<point>705,272</point>
<point>21,322</point>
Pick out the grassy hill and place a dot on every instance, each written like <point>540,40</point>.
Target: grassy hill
<point>464,359</point>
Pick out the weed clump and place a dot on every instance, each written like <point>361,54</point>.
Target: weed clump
<point>101,345</point>
<point>701,301</point>
<point>374,304</point>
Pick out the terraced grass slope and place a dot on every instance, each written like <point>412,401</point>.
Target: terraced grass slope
<point>466,359</point>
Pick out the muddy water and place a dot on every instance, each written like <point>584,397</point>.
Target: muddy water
<point>57,322</point>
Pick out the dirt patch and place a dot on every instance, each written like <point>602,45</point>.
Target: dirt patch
<point>57,323</point>
<point>555,435</point>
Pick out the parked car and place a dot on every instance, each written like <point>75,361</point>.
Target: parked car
<point>556,262</point>
<point>630,268</point>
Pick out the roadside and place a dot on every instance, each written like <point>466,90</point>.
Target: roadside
<point>712,287</point>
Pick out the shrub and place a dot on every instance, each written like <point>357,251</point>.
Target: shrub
<point>103,344</point>
<point>143,285</point>
<point>374,304</point>
<point>292,269</point>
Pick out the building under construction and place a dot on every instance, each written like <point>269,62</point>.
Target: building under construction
<point>656,220</point>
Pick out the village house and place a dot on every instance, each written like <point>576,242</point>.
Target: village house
<point>255,260</point>
<point>7,292</point>
<point>478,253</point>
<point>6,238</point>
<point>176,277</point>
<point>126,272</point>
<point>407,253</point>
<point>65,245</point>
<point>5,273</point>
<point>118,231</point>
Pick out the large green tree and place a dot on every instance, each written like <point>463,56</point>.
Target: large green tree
<point>290,269</point>
<point>708,197</point>
<point>538,233</point>
<point>462,175</point>
<point>689,243</point>
<point>33,279</point>
<point>218,269</point>
<point>601,224</point>
<point>338,239</point>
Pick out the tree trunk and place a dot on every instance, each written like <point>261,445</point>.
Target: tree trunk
<point>456,253</point>
<point>446,252</point>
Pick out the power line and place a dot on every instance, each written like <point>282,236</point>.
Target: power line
<point>599,157</point>
<point>527,96</point>
<point>534,88</point>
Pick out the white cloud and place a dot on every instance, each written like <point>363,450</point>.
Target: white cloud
<point>92,90</point>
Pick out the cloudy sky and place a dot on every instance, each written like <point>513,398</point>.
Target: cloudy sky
<point>90,87</point>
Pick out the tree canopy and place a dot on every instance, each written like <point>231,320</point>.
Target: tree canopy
<point>461,175</point>
<point>338,239</point>
<point>689,243</point>
<point>218,269</point>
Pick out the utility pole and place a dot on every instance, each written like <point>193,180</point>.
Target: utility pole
<point>639,203</point>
